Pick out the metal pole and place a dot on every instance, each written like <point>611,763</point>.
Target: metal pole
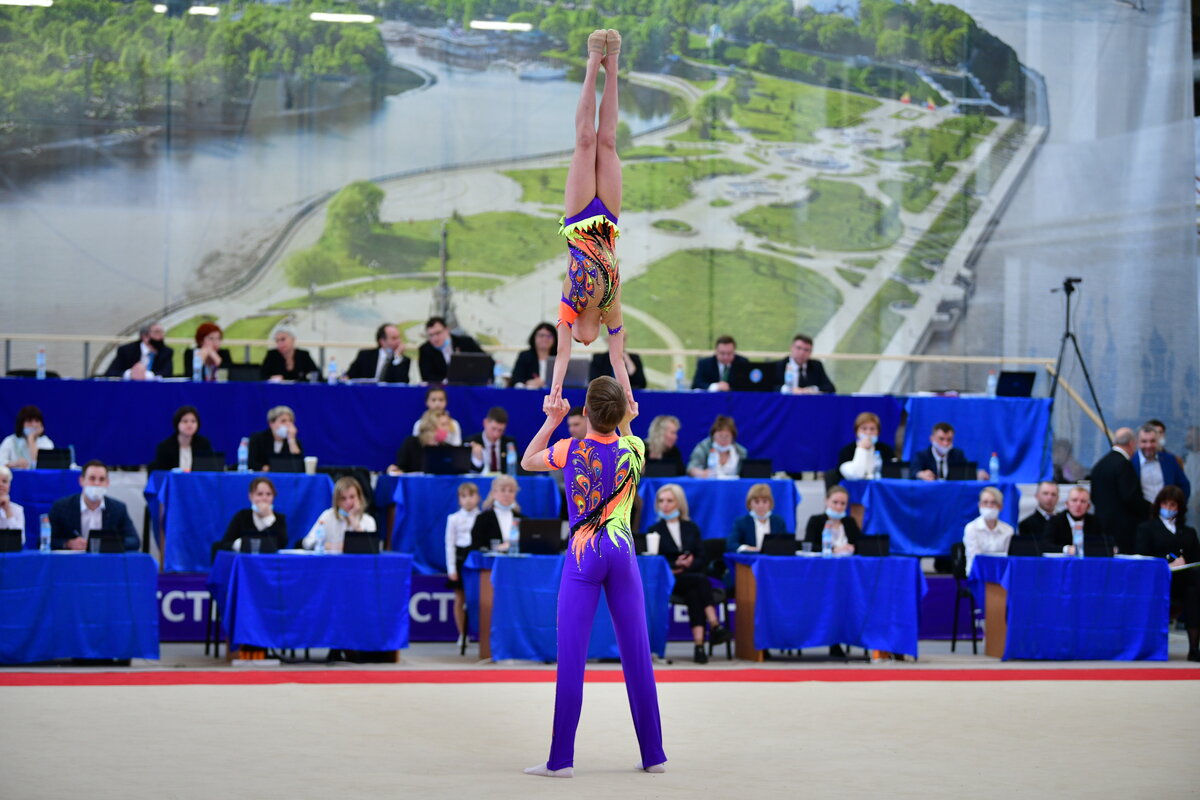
<point>7,356</point>
<point>87,357</point>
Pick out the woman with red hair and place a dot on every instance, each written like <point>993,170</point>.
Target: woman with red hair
<point>208,347</point>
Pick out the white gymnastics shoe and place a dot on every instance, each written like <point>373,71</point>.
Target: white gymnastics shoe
<point>656,769</point>
<point>540,769</point>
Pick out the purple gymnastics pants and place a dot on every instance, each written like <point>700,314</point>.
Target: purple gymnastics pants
<point>614,567</point>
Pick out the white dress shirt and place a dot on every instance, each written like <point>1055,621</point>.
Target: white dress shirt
<point>15,519</point>
<point>676,535</point>
<point>838,530</point>
<point>147,359</point>
<point>1169,524</point>
<point>505,518</point>
<point>260,524</point>
<point>762,527</point>
<point>335,530</point>
<point>979,539</point>
<point>1151,475</point>
<point>89,519</point>
<point>185,458</point>
<point>484,464</point>
<point>15,447</point>
<point>458,534</point>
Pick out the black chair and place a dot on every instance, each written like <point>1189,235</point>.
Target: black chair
<point>958,559</point>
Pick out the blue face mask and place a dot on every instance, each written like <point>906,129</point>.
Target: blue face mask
<point>722,448</point>
<point>343,513</point>
<point>669,514</point>
<point>765,515</point>
<point>501,506</point>
<point>1167,513</point>
<point>829,512</point>
<point>29,430</point>
<point>262,509</point>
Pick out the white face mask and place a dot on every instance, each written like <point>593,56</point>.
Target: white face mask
<point>501,506</point>
<point>281,431</point>
<point>722,448</point>
<point>94,493</point>
<point>989,514</point>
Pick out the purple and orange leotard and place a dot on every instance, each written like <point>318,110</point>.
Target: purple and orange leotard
<point>591,238</point>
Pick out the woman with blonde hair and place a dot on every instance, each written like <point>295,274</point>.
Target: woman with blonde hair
<point>749,530</point>
<point>662,442</point>
<point>986,533</point>
<point>435,428</point>
<point>348,513</point>
<point>500,518</point>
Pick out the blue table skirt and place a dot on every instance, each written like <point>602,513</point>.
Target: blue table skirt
<point>525,606</point>
<point>199,505</point>
<point>715,504</point>
<point>1081,608</point>
<point>283,601</point>
<point>424,501</point>
<point>84,605</point>
<point>924,518</point>
<point>811,601</point>
<point>36,490</point>
<point>1017,429</point>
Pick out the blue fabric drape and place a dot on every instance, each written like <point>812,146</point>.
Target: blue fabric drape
<point>1015,428</point>
<point>77,605</point>
<point>715,504</point>
<point>1081,608</point>
<point>353,602</point>
<point>809,602</point>
<point>199,505</point>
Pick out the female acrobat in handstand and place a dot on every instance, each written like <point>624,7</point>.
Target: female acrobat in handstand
<point>591,293</point>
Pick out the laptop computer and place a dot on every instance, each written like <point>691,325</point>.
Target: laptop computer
<point>779,544</point>
<point>244,373</point>
<point>11,540</point>
<point>755,468</point>
<point>578,374</point>
<point>894,469</point>
<point>873,545</point>
<point>105,541</point>
<point>258,543</point>
<point>1024,546</point>
<point>660,469</point>
<point>361,543</point>
<point>446,460</point>
<point>754,376</point>
<point>58,458</point>
<point>966,471</point>
<point>470,369</point>
<point>1097,547</point>
<point>212,462</point>
<point>286,463</point>
<point>541,536</point>
<point>1015,384</point>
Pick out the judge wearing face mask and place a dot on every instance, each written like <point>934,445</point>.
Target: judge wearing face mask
<point>260,516</point>
<point>279,439</point>
<point>19,450</point>
<point>718,455</point>
<point>748,531</point>
<point>73,518</point>
<point>857,460</point>
<point>349,513</point>
<point>986,534</point>
<point>146,359</point>
<point>934,462</point>
<point>844,527</point>
<point>500,518</point>
<point>1167,535</point>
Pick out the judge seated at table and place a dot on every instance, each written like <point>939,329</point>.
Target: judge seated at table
<point>856,460</point>
<point>1034,526</point>
<point>933,463</point>
<point>279,439</point>
<point>287,362</point>
<point>19,450</point>
<point>1167,535</point>
<point>177,450</point>
<point>12,515</point>
<point>720,449</point>
<point>261,516</point>
<point>844,527</point>
<point>433,430</point>
<point>349,513</point>
<point>662,442</point>
<point>500,517</point>
<point>748,531</point>
<point>1060,530</point>
<point>986,534</point>
<point>74,517</point>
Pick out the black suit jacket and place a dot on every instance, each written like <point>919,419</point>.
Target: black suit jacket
<point>166,455</point>
<point>262,447</point>
<point>816,527</point>
<point>411,455</point>
<point>526,367</point>
<point>689,533</point>
<point>367,360</point>
<point>243,522</point>
<point>66,522</point>
<point>504,442</point>
<point>814,375</point>
<point>924,459</point>
<point>433,364</point>
<point>833,476</point>
<point>1153,539</point>
<point>273,364</point>
<point>601,365</point>
<point>1058,531</point>
<point>487,528</point>
<point>129,354</point>
<point>708,371</point>
<point>223,352</point>
<point>1035,526</point>
<point>1117,498</point>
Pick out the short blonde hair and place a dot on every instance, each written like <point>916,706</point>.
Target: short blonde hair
<point>864,418</point>
<point>497,482</point>
<point>680,498</point>
<point>994,493</point>
<point>278,411</point>
<point>760,490</point>
<point>468,488</point>
<point>5,473</point>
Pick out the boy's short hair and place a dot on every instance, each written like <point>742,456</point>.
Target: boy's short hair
<point>605,404</point>
<point>468,488</point>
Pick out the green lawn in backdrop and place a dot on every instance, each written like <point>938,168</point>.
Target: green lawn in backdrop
<point>836,216</point>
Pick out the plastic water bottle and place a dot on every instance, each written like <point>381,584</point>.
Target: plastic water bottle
<point>514,538</point>
<point>44,534</point>
<point>713,460</point>
<point>680,379</point>
<point>994,467</point>
<point>498,376</point>
<point>74,463</point>
<point>197,366</point>
<point>991,383</point>
<point>319,547</point>
<point>41,364</point>
<point>1077,539</point>
<point>510,460</point>
<point>877,465</point>
<point>827,542</point>
<point>244,455</point>
<point>332,371</point>
<point>791,377</point>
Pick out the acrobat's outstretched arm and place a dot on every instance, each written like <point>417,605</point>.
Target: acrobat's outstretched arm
<point>615,321</point>
<point>560,365</point>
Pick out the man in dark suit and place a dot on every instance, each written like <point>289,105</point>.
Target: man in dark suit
<point>74,517</point>
<point>1156,468</point>
<point>385,363</point>
<point>1034,526</point>
<point>718,372</point>
<point>1117,491</point>
<point>933,463</point>
<point>810,373</point>
<point>488,448</point>
<point>1060,533</point>
<point>148,357</point>
<point>434,356</point>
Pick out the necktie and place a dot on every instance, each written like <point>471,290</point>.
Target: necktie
<point>725,373</point>
<point>379,370</point>
<point>941,469</point>
<point>803,373</point>
<point>494,447</point>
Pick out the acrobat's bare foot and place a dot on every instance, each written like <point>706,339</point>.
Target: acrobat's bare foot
<point>656,769</point>
<point>540,769</point>
<point>595,43</point>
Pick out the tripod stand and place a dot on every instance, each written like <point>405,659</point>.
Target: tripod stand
<point>1068,288</point>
